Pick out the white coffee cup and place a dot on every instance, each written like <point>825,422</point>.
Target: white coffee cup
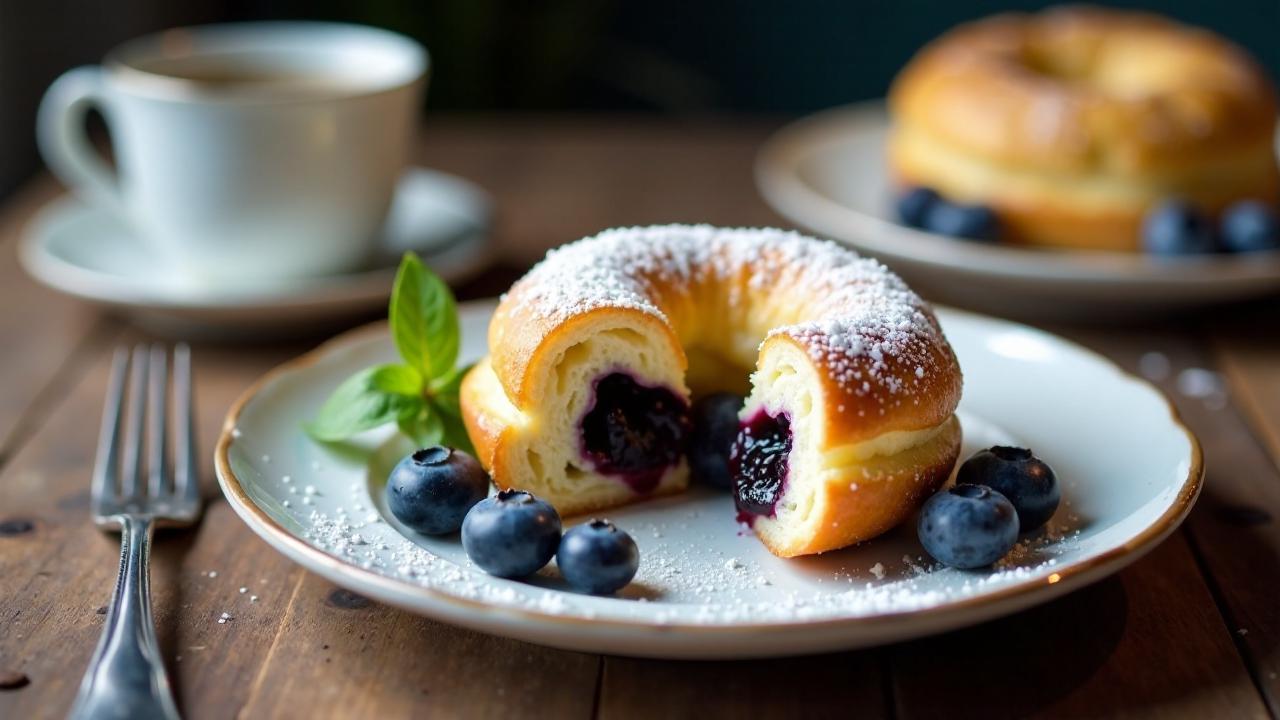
<point>244,152</point>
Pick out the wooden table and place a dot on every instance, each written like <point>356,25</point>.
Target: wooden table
<point>1192,630</point>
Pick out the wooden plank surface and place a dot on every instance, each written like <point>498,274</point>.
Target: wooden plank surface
<point>1161,639</point>
<point>1233,527</point>
<point>65,569</point>
<point>559,179</point>
<point>838,685</point>
<point>44,331</point>
<point>1147,643</point>
<point>340,655</point>
<point>1240,522</point>
<point>1249,358</point>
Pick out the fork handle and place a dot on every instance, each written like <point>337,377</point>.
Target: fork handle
<point>126,677</point>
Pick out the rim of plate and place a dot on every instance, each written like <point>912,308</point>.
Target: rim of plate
<point>779,179</point>
<point>262,523</point>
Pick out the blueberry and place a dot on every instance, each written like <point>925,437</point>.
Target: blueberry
<point>511,534</point>
<point>972,222</point>
<point>914,204</point>
<point>432,489</point>
<point>1250,226</point>
<point>1021,477</point>
<point>715,425</point>
<point>968,526</point>
<point>598,558</point>
<point>1175,228</point>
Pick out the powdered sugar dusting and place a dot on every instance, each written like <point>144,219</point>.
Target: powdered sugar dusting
<point>681,583</point>
<point>697,567</point>
<point>861,318</point>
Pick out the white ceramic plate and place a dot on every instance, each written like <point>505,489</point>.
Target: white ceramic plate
<point>827,173</point>
<point>707,588</point>
<point>89,253</point>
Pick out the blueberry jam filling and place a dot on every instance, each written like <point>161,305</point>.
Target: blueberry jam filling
<point>634,432</point>
<point>758,462</point>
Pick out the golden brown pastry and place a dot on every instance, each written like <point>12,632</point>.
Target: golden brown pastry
<point>584,397</point>
<point>1071,123</point>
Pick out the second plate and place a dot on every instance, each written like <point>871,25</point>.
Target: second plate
<point>827,173</point>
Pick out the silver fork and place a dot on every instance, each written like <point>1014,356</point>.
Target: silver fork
<point>126,677</point>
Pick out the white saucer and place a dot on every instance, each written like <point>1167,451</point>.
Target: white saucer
<point>89,253</point>
<point>1129,469</point>
<point>827,173</point>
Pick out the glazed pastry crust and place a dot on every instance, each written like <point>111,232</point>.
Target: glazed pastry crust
<point>523,343</point>
<point>1071,123</point>
<point>874,361</point>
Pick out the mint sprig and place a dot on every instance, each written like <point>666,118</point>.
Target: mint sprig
<point>421,395</point>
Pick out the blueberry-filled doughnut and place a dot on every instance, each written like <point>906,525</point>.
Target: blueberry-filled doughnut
<point>596,353</point>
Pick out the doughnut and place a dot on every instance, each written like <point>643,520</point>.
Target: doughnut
<point>1072,123</point>
<point>595,355</point>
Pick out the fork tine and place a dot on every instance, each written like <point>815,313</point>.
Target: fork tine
<point>187,480</point>
<point>133,429</point>
<point>157,410</point>
<point>107,465</point>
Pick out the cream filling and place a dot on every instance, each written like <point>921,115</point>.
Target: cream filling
<point>890,443</point>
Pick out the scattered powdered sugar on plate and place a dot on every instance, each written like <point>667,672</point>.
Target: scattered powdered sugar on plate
<point>698,566</point>
<point>689,586</point>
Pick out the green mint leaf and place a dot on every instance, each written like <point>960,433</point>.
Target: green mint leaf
<point>398,379</point>
<point>424,319</point>
<point>358,405</point>
<point>453,431</point>
<point>423,427</point>
<point>444,392</point>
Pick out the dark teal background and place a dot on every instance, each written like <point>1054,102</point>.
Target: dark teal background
<point>669,57</point>
<point>755,56</point>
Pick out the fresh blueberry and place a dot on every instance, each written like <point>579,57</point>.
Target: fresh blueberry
<point>511,534</point>
<point>598,558</point>
<point>968,526</point>
<point>1175,228</point>
<point>914,204</point>
<point>432,489</point>
<point>1250,226</point>
<point>715,425</point>
<point>973,222</point>
<point>1021,477</point>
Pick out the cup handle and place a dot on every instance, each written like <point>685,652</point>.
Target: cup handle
<point>64,144</point>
